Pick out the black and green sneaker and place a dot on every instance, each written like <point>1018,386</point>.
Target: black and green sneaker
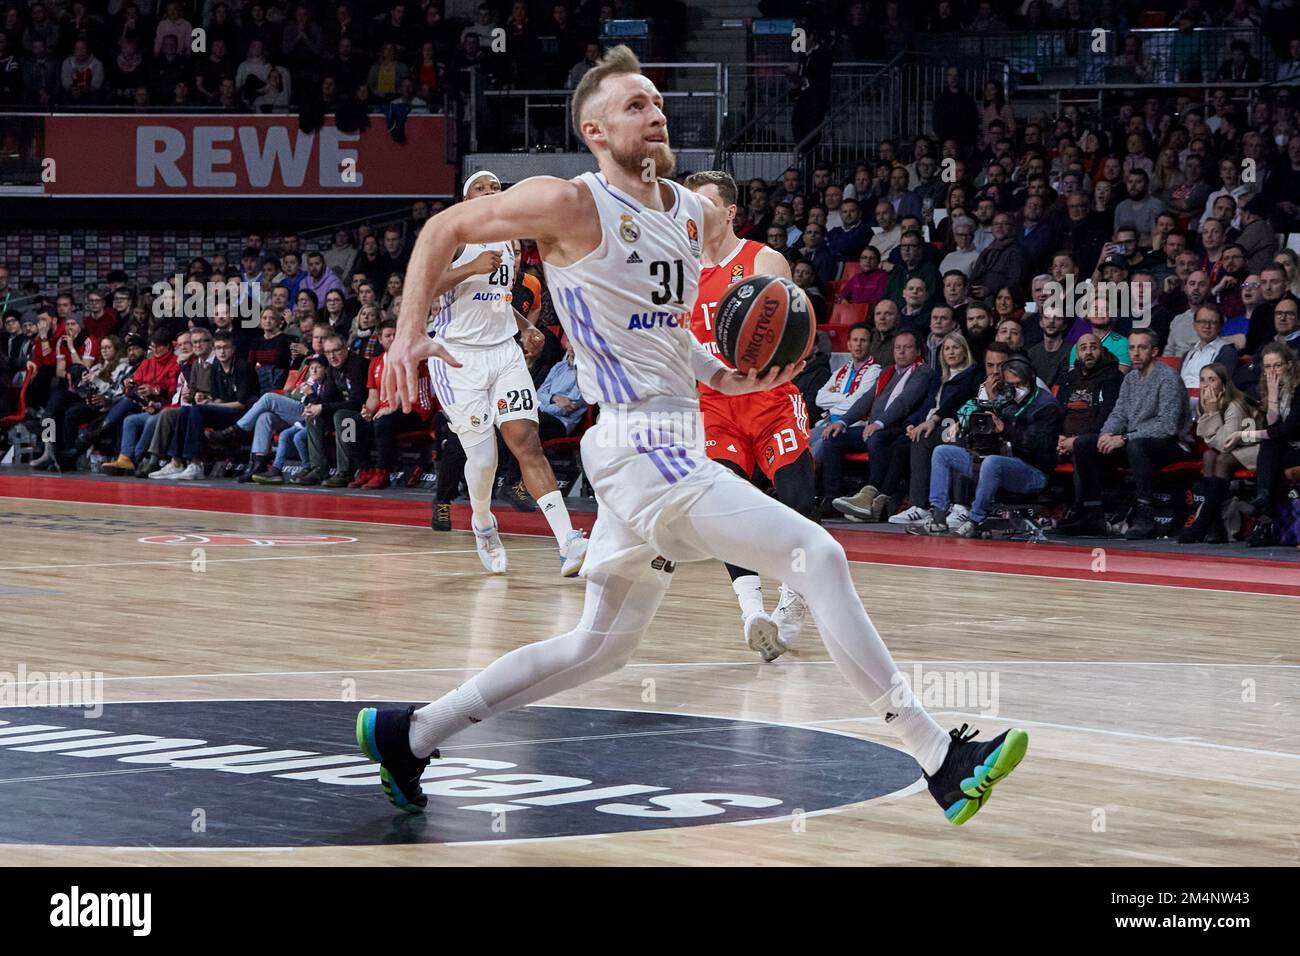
<point>970,770</point>
<point>384,736</point>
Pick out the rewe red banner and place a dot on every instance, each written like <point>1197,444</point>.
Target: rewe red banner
<point>245,157</point>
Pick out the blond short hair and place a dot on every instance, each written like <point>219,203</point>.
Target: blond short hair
<point>617,61</point>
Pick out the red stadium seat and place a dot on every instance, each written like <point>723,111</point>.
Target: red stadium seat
<point>1170,360</point>
<point>849,271</point>
<point>570,443</point>
<point>20,410</point>
<point>839,336</point>
<point>848,313</point>
<point>861,457</point>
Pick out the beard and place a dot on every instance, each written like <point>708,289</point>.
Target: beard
<point>660,156</point>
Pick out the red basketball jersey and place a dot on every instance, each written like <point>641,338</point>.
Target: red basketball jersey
<point>714,283</point>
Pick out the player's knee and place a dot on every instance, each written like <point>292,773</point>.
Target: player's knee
<point>816,553</point>
<point>601,652</point>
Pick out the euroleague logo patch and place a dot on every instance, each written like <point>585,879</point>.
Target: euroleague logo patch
<point>737,271</point>
<point>535,773</point>
<point>501,405</point>
<point>246,540</point>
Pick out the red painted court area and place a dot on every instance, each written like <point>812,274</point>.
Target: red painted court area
<point>1246,574</point>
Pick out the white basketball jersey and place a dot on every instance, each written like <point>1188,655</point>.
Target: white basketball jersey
<point>477,312</point>
<point>626,306</point>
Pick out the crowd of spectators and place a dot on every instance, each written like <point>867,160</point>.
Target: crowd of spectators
<point>277,55</point>
<point>952,242</point>
<point>134,380</point>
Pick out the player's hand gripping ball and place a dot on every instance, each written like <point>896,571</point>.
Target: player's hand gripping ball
<point>764,322</point>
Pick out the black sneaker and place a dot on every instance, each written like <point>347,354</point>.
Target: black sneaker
<point>312,476</point>
<point>384,736</point>
<point>1264,535</point>
<point>1143,527</point>
<point>441,516</point>
<point>1087,523</point>
<point>517,496</point>
<point>969,772</point>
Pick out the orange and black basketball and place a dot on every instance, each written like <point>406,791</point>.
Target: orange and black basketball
<point>764,321</point>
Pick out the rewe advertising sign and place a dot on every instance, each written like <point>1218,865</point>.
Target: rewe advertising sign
<point>243,157</point>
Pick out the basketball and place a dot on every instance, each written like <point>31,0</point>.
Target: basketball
<point>764,322</point>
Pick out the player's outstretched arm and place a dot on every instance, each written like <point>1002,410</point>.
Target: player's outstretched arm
<point>532,208</point>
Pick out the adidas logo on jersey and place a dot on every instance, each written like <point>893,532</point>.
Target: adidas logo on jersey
<point>633,259</point>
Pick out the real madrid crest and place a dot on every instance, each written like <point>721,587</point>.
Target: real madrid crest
<point>628,229</point>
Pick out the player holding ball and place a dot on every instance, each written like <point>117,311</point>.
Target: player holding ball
<point>762,431</point>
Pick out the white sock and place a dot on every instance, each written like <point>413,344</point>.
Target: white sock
<point>557,515</point>
<point>904,715</point>
<point>749,591</point>
<point>452,712</point>
<point>480,473</point>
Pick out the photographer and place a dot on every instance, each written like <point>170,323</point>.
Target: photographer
<point>1148,423</point>
<point>1010,439</point>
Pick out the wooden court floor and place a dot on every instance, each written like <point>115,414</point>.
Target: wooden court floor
<point>1164,721</point>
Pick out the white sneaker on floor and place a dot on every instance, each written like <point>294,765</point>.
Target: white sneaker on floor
<point>193,471</point>
<point>790,613</point>
<point>169,470</point>
<point>763,636</point>
<point>957,515</point>
<point>490,549</point>
<point>913,515</point>
<point>573,554</point>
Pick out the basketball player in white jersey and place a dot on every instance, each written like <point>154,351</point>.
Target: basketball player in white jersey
<point>621,251</point>
<point>489,387</point>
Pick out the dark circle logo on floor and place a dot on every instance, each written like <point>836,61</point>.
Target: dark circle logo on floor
<point>287,773</point>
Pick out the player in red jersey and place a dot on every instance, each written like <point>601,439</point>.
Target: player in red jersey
<point>761,431</point>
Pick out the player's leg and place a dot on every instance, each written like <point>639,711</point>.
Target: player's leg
<point>795,487</point>
<point>617,612</point>
<point>761,631</point>
<point>514,402</point>
<point>790,547</point>
<point>727,443</point>
<point>782,448</point>
<point>480,447</point>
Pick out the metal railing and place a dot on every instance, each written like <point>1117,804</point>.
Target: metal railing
<point>851,130</point>
<point>924,79</point>
<point>695,98</point>
<point>1086,56</point>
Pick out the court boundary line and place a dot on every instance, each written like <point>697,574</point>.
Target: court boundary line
<point>449,670</point>
<point>1055,574</point>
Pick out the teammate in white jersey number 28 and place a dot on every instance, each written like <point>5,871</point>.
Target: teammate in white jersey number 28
<point>488,387</point>
<point>660,499</point>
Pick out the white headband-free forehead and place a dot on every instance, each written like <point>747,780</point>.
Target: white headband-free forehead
<point>476,177</point>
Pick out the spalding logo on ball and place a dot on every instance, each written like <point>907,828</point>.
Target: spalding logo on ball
<point>764,322</point>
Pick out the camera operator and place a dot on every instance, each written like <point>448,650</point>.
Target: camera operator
<point>1010,439</point>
